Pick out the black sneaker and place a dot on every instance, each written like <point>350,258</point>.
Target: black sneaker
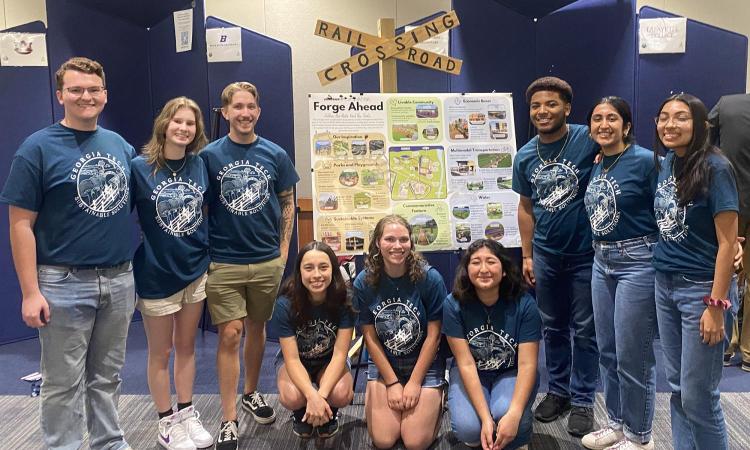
<point>552,407</point>
<point>300,428</point>
<point>227,438</point>
<point>581,421</point>
<point>727,359</point>
<point>255,404</point>
<point>329,428</point>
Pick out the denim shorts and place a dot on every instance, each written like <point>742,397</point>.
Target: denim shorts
<point>434,378</point>
<point>313,369</point>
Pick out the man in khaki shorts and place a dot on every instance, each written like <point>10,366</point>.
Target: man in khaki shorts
<point>251,216</point>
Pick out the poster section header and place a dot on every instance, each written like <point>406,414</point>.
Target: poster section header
<point>443,161</point>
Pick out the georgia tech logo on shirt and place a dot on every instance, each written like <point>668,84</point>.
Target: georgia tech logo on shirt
<point>244,187</point>
<point>397,325</point>
<point>601,204</point>
<point>556,184</point>
<point>316,338</point>
<point>492,350</point>
<point>670,217</point>
<point>101,184</point>
<point>178,206</point>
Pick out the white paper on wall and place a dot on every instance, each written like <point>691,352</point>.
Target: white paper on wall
<point>23,49</point>
<point>183,30</point>
<point>662,35</point>
<point>224,44</point>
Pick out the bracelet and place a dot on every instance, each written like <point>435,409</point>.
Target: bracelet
<point>724,304</point>
<point>391,384</point>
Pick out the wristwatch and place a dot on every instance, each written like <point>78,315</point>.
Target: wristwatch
<point>725,304</point>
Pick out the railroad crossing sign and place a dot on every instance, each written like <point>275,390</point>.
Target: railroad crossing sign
<point>381,49</point>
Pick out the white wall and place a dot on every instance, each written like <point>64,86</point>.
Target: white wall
<point>732,15</point>
<point>19,12</point>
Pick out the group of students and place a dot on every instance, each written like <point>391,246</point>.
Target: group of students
<point>615,246</point>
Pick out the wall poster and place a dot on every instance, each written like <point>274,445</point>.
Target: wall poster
<point>443,161</point>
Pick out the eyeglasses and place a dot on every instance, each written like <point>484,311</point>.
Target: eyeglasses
<point>678,120</point>
<point>78,91</point>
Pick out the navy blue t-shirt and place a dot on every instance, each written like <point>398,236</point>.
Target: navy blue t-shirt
<point>174,251</point>
<point>687,235</point>
<point>316,338</point>
<point>556,190</point>
<point>493,332</point>
<point>400,310</point>
<point>620,201</point>
<point>244,212</point>
<point>78,184</point>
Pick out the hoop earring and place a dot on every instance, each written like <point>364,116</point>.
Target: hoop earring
<point>375,256</point>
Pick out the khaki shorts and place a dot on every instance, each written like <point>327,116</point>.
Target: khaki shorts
<point>194,292</point>
<point>236,291</point>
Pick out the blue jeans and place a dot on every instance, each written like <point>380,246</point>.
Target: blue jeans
<point>83,349</point>
<point>498,392</point>
<point>563,293</point>
<point>622,289</point>
<point>693,368</point>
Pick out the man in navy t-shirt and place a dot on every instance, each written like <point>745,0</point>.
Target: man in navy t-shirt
<point>250,219</point>
<point>69,207</point>
<point>551,173</point>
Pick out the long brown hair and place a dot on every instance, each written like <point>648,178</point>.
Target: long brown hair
<point>154,149</point>
<point>337,296</point>
<point>415,263</point>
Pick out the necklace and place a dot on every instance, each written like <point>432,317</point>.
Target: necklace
<point>488,310</point>
<point>562,149</point>
<point>607,169</point>
<point>176,171</point>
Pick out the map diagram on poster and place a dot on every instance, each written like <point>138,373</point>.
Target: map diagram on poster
<point>442,161</point>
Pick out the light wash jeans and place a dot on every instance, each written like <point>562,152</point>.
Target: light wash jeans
<point>83,350</point>
<point>622,290</point>
<point>498,392</point>
<point>563,293</point>
<point>693,368</point>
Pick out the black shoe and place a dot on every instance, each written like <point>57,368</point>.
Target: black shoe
<point>227,438</point>
<point>552,407</point>
<point>745,366</point>
<point>727,359</point>
<point>255,404</point>
<point>300,428</point>
<point>329,428</point>
<point>581,421</point>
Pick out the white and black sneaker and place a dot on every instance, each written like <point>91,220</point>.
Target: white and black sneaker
<point>255,404</point>
<point>227,438</point>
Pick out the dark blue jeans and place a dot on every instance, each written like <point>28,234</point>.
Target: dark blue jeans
<point>563,293</point>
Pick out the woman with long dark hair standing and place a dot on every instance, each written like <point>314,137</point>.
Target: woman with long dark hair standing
<point>696,207</point>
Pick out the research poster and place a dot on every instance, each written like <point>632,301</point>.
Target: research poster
<point>443,161</point>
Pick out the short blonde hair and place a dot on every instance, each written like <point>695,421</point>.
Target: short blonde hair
<point>154,149</point>
<point>229,91</point>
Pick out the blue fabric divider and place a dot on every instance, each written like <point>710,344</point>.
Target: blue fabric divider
<point>27,90</point>
<point>121,46</point>
<point>175,74</point>
<point>714,64</point>
<point>592,45</point>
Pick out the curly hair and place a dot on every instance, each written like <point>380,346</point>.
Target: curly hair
<point>337,295</point>
<point>79,64</point>
<point>512,285</point>
<point>154,148</point>
<point>415,263</point>
<point>553,84</point>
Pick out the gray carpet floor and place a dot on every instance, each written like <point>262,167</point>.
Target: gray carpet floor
<point>19,426</point>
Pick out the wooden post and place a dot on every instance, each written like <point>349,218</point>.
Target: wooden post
<point>388,76</point>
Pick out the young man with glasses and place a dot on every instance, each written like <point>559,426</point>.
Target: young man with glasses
<point>69,207</point>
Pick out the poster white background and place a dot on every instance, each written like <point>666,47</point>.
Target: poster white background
<point>23,49</point>
<point>224,44</point>
<point>662,35</point>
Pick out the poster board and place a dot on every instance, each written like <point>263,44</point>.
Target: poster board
<point>443,161</point>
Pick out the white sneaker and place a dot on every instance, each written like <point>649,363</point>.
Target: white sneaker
<point>627,444</point>
<point>190,420</point>
<point>172,434</point>
<point>602,439</point>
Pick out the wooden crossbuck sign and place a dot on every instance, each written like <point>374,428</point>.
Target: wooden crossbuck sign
<point>379,49</point>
